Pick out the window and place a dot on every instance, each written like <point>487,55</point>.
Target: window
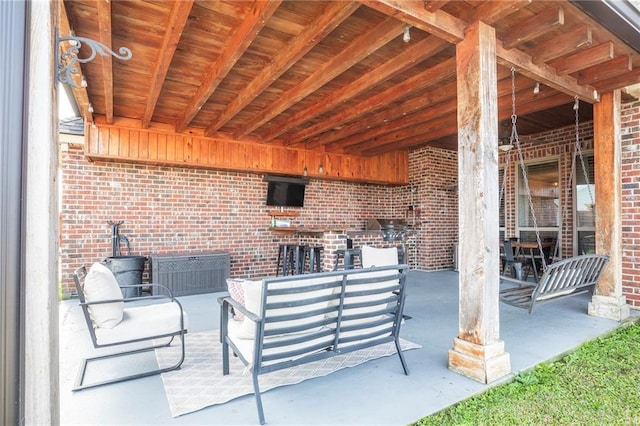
<point>544,189</point>
<point>585,193</point>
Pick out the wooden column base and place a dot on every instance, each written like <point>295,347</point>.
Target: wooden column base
<point>610,307</point>
<point>483,363</point>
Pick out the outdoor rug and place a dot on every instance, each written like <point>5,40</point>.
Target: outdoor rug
<point>199,383</point>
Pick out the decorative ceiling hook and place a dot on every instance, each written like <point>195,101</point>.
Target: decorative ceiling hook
<point>68,59</point>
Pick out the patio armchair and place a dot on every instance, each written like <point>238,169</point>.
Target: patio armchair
<point>140,324</point>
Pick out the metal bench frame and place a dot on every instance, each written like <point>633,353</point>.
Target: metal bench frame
<point>347,295</point>
<point>565,278</point>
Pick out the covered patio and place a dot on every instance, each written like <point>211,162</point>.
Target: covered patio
<point>348,94</point>
<point>374,393</point>
<point>382,108</point>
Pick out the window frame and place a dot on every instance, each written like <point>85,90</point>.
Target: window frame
<point>576,229</point>
<point>542,229</point>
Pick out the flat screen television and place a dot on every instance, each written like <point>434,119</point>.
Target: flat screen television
<point>285,194</point>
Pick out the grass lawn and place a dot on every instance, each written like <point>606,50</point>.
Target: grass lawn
<point>598,384</point>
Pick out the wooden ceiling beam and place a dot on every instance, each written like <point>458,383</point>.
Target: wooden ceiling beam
<point>79,93</point>
<point>433,5</point>
<point>316,31</point>
<point>428,78</point>
<point>253,22</point>
<point>386,142</point>
<point>406,58</point>
<point>409,121</point>
<point>442,127</point>
<point>392,119</point>
<point>412,140</point>
<point>492,11</point>
<point>619,81</point>
<point>336,139</point>
<point>413,12</point>
<point>357,50</point>
<point>522,84</point>
<point>544,74</point>
<point>104,26</point>
<point>527,102</point>
<point>587,58</point>
<point>579,38</point>
<point>533,27</point>
<point>177,21</point>
<point>605,70</point>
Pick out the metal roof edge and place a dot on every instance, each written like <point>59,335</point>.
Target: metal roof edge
<point>620,17</point>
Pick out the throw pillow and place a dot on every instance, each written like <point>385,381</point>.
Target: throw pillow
<point>236,291</point>
<point>101,284</point>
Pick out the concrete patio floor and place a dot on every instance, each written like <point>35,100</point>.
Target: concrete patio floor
<point>375,393</point>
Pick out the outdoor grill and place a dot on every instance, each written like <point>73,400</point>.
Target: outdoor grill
<point>392,229</point>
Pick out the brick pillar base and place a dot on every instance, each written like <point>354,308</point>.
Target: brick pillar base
<point>483,363</point>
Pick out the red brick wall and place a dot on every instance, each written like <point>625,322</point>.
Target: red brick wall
<point>631,202</point>
<point>433,173</point>
<point>177,210</point>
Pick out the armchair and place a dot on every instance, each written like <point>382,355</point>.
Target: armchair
<point>114,321</point>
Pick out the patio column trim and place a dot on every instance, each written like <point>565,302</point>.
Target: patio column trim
<point>608,301</point>
<point>478,352</point>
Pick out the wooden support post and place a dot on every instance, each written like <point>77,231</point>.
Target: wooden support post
<point>608,301</point>
<point>478,352</point>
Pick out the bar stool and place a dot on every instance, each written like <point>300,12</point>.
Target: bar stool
<point>311,257</point>
<point>290,259</point>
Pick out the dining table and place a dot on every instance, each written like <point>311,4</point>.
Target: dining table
<point>533,249</point>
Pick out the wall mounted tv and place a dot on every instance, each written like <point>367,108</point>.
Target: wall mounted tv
<point>285,192</point>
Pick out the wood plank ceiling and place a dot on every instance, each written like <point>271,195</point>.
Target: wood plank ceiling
<point>336,76</point>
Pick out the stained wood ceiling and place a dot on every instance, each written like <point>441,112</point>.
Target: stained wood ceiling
<point>336,75</point>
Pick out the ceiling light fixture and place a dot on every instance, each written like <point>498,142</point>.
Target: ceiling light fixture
<point>68,59</point>
<point>406,35</point>
<point>536,88</point>
<point>321,169</point>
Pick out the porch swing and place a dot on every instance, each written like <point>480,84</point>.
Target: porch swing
<point>564,278</point>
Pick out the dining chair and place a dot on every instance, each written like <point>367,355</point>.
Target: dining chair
<point>516,265</point>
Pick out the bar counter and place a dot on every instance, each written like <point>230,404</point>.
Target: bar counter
<point>335,239</point>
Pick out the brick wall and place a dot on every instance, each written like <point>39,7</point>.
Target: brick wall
<point>433,174</point>
<point>630,113</point>
<point>168,210</point>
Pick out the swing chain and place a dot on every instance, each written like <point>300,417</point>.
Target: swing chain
<point>579,151</point>
<point>502,187</point>
<point>585,174</point>
<point>525,179</point>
